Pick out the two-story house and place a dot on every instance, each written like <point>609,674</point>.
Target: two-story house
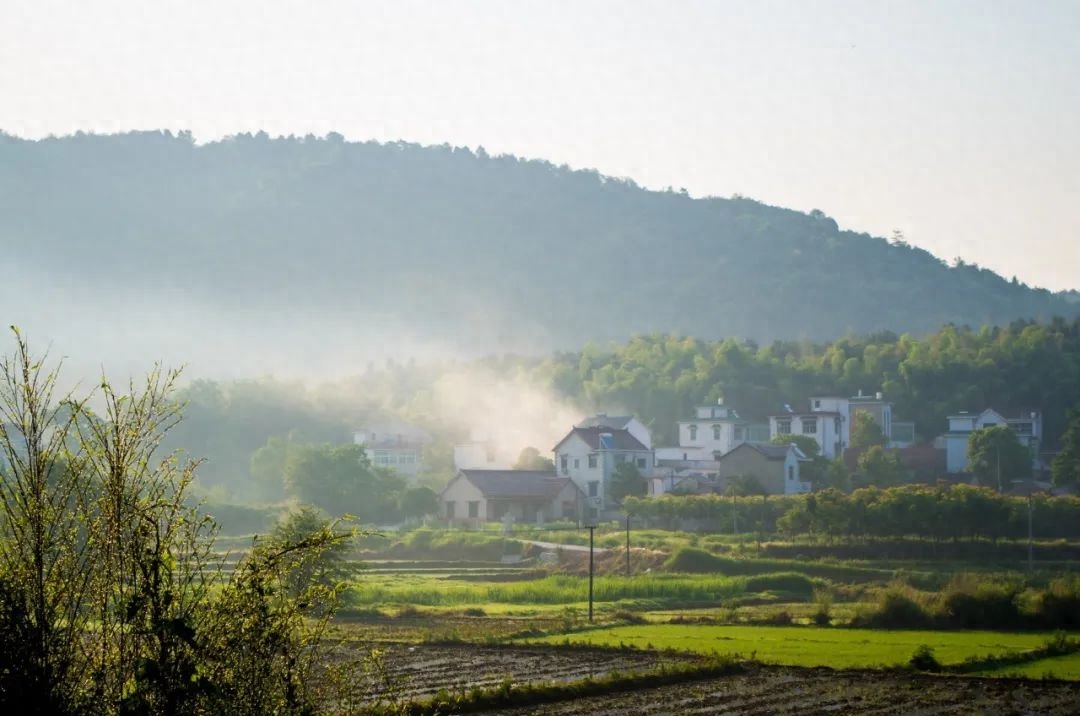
<point>1028,429</point>
<point>589,455</point>
<point>398,446</point>
<point>714,430</point>
<point>829,420</point>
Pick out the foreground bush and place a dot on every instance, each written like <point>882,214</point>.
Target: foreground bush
<point>110,594</point>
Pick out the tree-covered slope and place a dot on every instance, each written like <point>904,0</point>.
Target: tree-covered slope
<point>456,245</point>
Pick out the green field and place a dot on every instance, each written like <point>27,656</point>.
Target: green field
<point>808,646</point>
<point>659,589</point>
<point>1057,667</point>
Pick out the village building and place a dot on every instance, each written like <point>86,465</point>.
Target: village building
<point>528,496</point>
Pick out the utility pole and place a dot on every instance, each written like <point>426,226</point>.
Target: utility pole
<point>628,545</point>
<point>591,528</point>
<point>1031,548</point>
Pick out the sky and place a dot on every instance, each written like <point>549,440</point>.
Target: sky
<point>952,122</point>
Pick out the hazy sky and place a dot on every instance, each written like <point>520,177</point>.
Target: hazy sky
<point>955,122</point>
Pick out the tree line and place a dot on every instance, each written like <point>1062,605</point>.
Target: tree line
<point>938,513</point>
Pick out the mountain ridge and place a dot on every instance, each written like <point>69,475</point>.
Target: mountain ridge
<point>493,251</point>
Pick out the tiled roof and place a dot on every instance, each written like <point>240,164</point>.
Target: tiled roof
<point>614,422</point>
<point>516,483</point>
<point>620,439</point>
<point>768,450</point>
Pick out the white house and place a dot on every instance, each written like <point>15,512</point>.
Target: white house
<point>629,423</point>
<point>589,455</point>
<point>714,430</point>
<point>829,421</point>
<point>398,446</point>
<point>1028,429</point>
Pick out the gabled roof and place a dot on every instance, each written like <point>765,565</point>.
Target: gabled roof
<point>768,451</point>
<point>620,439</point>
<point>535,484</point>
<point>600,420</point>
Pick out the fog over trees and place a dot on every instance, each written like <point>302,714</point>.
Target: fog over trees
<point>310,255</point>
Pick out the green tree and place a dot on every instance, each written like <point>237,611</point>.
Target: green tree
<point>1065,469</point>
<point>865,432</point>
<point>806,444</point>
<point>418,502</point>
<point>111,599</point>
<point>996,457</point>
<point>531,459</point>
<point>340,479</point>
<point>881,468</point>
<point>325,567</point>
<point>626,481</point>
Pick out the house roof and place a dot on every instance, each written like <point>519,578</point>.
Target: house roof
<point>768,450</point>
<point>620,439</point>
<point>516,483</point>
<point>601,420</point>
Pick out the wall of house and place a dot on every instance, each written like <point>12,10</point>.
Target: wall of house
<point>747,461</point>
<point>827,434</point>
<point>793,484</point>
<point>461,494</point>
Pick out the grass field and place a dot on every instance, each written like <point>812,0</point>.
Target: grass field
<point>1057,667</point>
<point>659,589</point>
<point>808,646</point>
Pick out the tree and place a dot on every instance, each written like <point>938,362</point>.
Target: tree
<point>418,502</point>
<point>340,479</point>
<point>325,567</point>
<point>531,459</point>
<point>806,444</point>
<point>881,467</point>
<point>865,432</point>
<point>996,457</point>
<point>111,599</point>
<point>626,481</point>
<point>1065,469</point>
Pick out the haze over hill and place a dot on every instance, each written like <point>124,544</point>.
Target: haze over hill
<point>256,255</point>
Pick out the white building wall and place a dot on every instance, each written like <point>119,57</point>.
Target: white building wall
<point>461,493</point>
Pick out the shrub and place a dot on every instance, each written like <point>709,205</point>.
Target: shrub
<point>1059,606</point>
<point>898,607</point>
<point>791,582</point>
<point>693,559</point>
<point>972,602</point>
<point>924,660</point>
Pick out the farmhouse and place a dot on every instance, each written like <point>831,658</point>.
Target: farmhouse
<point>776,467</point>
<point>476,496</point>
<point>1027,426</point>
<point>589,455</point>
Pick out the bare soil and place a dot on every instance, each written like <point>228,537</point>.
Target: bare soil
<point>414,672</point>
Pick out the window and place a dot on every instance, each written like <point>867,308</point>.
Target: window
<point>783,427</point>
<point>592,460</point>
<point>594,488</point>
<point>641,463</point>
<point>739,435</point>
<point>790,473</point>
<point>716,432</point>
<point>562,463</point>
<point>450,510</point>
<point>577,463</point>
<point>693,432</point>
<point>817,404</point>
<point>809,426</point>
<point>474,509</point>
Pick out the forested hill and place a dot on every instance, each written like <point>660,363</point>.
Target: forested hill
<point>454,244</point>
